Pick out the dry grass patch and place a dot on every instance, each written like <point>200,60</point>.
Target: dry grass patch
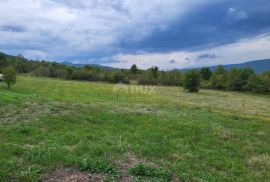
<point>223,133</point>
<point>69,175</point>
<point>130,161</point>
<point>260,162</point>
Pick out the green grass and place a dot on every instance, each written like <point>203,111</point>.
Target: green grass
<point>211,136</point>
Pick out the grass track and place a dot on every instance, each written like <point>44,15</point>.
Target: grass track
<point>212,135</point>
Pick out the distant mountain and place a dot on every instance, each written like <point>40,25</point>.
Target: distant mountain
<point>258,66</point>
<point>93,65</point>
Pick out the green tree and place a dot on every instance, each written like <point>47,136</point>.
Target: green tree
<point>3,61</point>
<point>220,70</point>
<point>238,78</point>
<point>69,73</point>
<point>191,81</point>
<point>206,73</point>
<point>147,78</point>
<point>266,76</point>
<point>134,69</point>
<point>170,78</point>
<point>219,78</point>
<point>155,71</point>
<point>10,75</point>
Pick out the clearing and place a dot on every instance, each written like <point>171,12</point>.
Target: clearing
<point>53,129</point>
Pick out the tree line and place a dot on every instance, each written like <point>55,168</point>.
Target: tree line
<point>244,79</point>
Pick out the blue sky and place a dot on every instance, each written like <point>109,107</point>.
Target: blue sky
<point>118,33</point>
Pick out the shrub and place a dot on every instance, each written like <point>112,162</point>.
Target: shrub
<point>10,76</point>
<point>118,77</point>
<point>191,81</point>
<point>257,84</point>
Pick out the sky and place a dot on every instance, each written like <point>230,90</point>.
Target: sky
<point>119,33</point>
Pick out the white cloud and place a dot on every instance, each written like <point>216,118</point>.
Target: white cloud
<point>236,14</point>
<point>244,50</point>
<point>62,28</point>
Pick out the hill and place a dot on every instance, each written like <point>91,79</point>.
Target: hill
<point>92,65</point>
<point>258,66</point>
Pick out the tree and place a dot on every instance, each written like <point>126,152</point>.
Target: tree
<point>10,75</point>
<point>206,73</point>
<point>134,69</point>
<point>219,78</point>
<point>191,81</point>
<point>170,78</point>
<point>266,77</point>
<point>238,78</point>
<point>220,70</point>
<point>155,71</point>
<point>3,60</point>
<point>147,78</point>
<point>69,73</point>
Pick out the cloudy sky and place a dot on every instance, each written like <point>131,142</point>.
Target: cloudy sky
<point>118,33</point>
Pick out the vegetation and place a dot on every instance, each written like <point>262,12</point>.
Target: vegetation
<point>147,171</point>
<point>192,81</point>
<point>236,79</point>
<point>10,76</point>
<point>219,78</point>
<point>134,69</point>
<point>206,73</point>
<point>209,136</point>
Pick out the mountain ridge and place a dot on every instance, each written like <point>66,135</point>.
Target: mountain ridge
<point>258,66</point>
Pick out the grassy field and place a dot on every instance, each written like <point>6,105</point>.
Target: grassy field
<point>52,129</point>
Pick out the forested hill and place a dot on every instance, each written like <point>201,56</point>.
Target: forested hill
<point>93,65</point>
<point>258,66</point>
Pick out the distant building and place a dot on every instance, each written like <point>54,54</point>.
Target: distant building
<point>1,77</point>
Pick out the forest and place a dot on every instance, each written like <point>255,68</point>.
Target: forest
<point>235,79</point>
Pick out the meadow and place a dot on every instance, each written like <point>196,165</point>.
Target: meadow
<point>54,129</point>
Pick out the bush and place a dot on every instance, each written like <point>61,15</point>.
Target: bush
<point>192,81</point>
<point>10,76</point>
<point>257,84</point>
<point>118,77</point>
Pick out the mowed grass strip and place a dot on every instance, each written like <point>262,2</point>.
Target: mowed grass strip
<point>90,127</point>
